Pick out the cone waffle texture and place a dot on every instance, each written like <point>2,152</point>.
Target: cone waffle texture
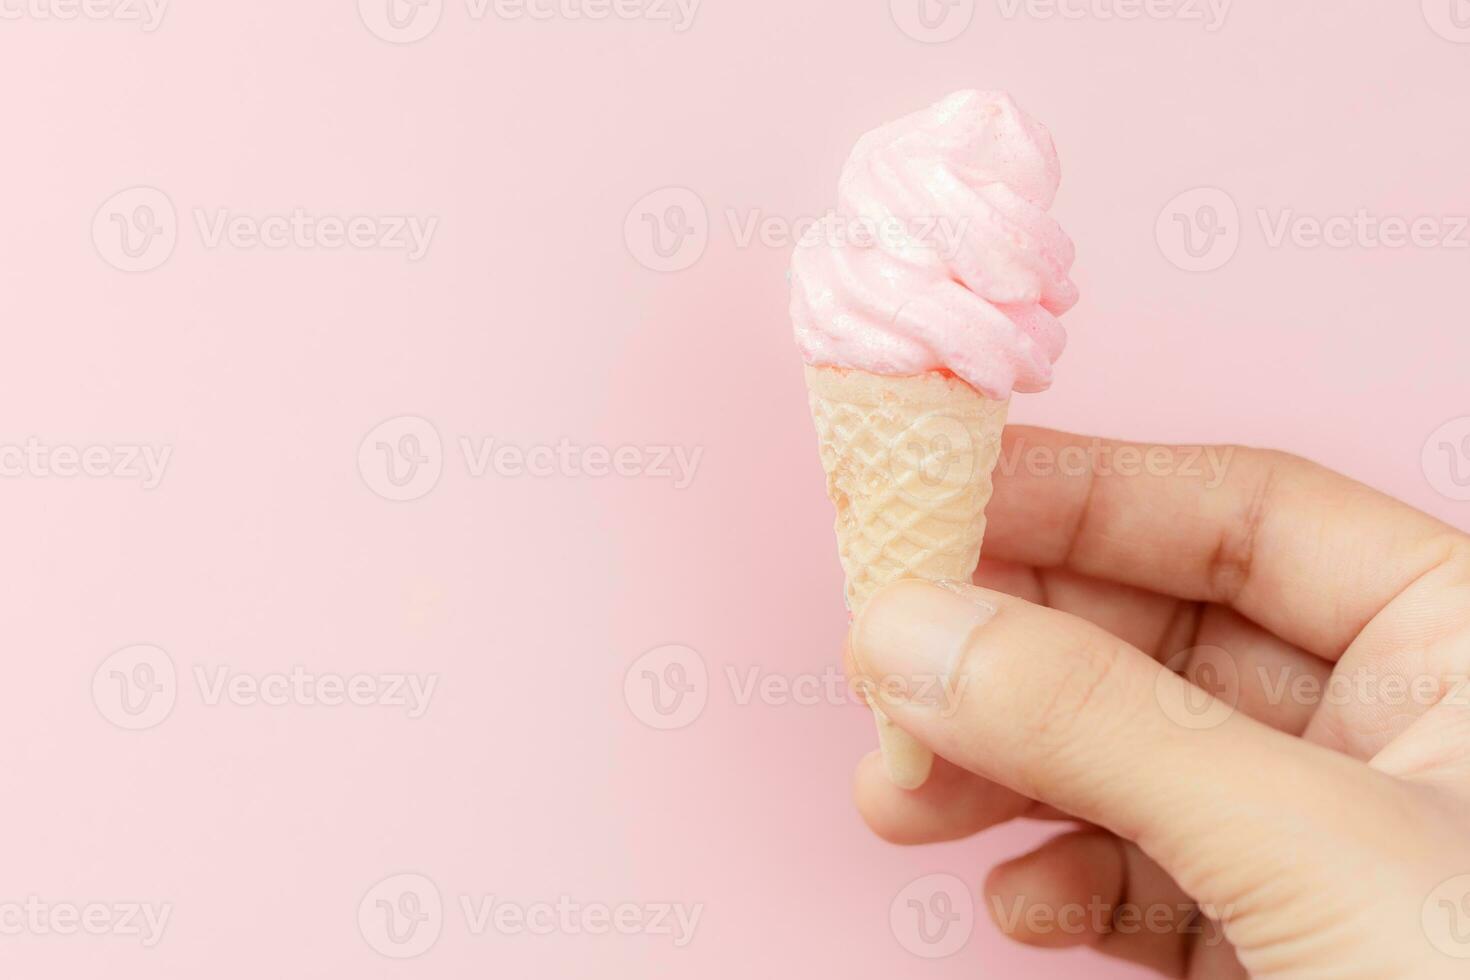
<point>909,462</point>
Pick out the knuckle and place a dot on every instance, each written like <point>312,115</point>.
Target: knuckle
<point>1457,557</point>
<point>1083,694</point>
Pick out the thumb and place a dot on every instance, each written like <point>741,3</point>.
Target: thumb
<point>1065,713</point>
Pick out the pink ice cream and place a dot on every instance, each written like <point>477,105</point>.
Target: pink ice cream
<point>970,273</point>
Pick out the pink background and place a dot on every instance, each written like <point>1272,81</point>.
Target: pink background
<point>531,320</point>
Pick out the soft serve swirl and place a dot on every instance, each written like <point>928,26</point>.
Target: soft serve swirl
<point>983,308</point>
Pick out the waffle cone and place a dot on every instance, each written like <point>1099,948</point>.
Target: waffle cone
<point>909,462</point>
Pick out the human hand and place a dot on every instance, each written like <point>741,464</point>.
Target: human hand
<point>1317,811</point>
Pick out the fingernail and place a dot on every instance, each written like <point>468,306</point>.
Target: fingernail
<point>916,631</point>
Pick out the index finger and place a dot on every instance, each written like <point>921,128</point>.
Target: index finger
<point>1305,552</point>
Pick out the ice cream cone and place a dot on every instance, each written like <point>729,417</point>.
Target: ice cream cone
<point>914,344</point>
<point>909,463</point>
